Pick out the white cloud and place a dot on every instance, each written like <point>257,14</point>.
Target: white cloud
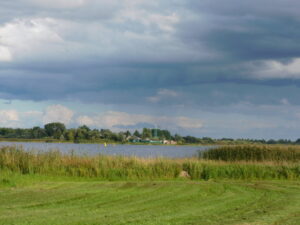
<point>57,113</point>
<point>165,22</point>
<point>85,120</point>
<point>5,54</point>
<point>88,33</point>
<point>9,117</point>
<point>276,69</point>
<point>36,114</point>
<point>25,37</point>
<point>111,119</point>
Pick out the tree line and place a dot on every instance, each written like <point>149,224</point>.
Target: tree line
<point>58,131</point>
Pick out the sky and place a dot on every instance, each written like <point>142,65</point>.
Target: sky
<point>204,68</point>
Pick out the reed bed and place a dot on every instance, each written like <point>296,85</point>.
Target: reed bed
<point>54,163</point>
<point>254,153</point>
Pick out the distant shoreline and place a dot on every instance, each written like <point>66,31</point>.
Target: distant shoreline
<point>109,142</point>
<point>93,142</point>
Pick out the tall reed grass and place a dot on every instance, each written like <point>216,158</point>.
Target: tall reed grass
<point>258,153</point>
<point>54,163</point>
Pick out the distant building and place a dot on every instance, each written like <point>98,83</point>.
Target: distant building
<point>134,139</point>
<point>170,142</point>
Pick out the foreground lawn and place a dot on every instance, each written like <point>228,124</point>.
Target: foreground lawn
<point>38,200</point>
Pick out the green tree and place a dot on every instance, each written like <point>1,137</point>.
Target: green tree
<point>80,134</point>
<point>106,134</point>
<point>166,134</point>
<point>70,134</point>
<point>146,133</point>
<point>94,134</point>
<point>55,129</point>
<point>127,134</point>
<point>178,138</point>
<point>37,132</point>
<point>84,127</point>
<point>137,133</point>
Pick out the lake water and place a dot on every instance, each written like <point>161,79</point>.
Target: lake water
<point>145,151</point>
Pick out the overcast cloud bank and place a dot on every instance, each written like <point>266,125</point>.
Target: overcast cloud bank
<point>177,63</point>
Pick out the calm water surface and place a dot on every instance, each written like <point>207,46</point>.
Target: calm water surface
<point>145,151</point>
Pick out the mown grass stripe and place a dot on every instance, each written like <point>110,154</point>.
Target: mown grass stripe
<point>177,202</point>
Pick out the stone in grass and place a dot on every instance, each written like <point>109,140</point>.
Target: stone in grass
<point>184,174</point>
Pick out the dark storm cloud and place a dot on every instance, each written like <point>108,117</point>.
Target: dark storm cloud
<point>113,53</point>
<point>248,30</point>
<point>267,38</point>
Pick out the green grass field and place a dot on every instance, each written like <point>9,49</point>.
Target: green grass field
<point>42,200</point>
<point>49,188</point>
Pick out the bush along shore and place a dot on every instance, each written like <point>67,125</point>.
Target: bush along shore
<point>254,153</point>
<point>54,163</point>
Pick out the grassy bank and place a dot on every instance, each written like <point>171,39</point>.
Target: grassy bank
<point>54,189</point>
<point>35,200</point>
<point>53,163</point>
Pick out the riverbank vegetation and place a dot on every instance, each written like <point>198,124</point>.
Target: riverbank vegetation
<point>57,132</point>
<point>54,163</point>
<point>254,153</point>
